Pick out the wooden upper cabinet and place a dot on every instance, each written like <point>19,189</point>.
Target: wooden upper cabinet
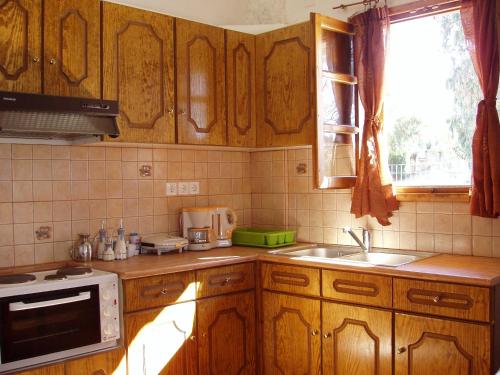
<point>49,370</point>
<point>356,340</point>
<point>201,95</point>
<point>428,346</point>
<point>226,326</point>
<point>291,334</point>
<point>138,71</point>
<point>285,103</point>
<point>21,45</point>
<point>72,61</point>
<point>240,83</point>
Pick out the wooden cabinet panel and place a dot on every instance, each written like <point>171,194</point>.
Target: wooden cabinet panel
<point>109,363</point>
<point>285,104</point>
<point>356,340</point>
<point>21,45</point>
<point>72,61</point>
<point>226,326</point>
<point>457,301</point>
<point>291,279</point>
<point>357,288</point>
<point>240,83</point>
<point>427,346</point>
<point>200,83</point>
<point>138,70</point>
<point>49,370</point>
<point>227,279</point>
<point>161,341</point>
<point>291,333</point>
<point>155,291</point>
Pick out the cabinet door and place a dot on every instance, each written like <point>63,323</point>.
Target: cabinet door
<point>285,106</point>
<point>21,45</point>
<point>291,333</point>
<point>108,363</point>
<point>161,341</point>
<point>49,370</point>
<point>138,71</point>
<point>226,326</point>
<point>72,62</point>
<point>429,346</point>
<point>200,83</point>
<point>356,340</point>
<point>240,83</point>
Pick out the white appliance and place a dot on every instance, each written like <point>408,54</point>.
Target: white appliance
<point>50,315</point>
<point>208,227</point>
<point>162,243</point>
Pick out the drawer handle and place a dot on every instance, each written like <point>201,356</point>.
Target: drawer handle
<point>163,290</point>
<point>434,298</point>
<point>226,279</point>
<point>314,332</point>
<point>289,278</point>
<point>359,288</point>
<point>401,350</point>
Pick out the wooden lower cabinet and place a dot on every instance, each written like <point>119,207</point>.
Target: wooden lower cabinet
<point>226,327</point>
<point>108,363</point>
<point>430,346</point>
<point>161,341</point>
<point>356,340</point>
<point>291,334</point>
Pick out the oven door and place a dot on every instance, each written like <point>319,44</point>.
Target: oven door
<point>36,324</point>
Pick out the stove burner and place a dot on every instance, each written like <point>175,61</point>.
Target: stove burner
<point>56,276</point>
<point>75,271</point>
<point>21,278</point>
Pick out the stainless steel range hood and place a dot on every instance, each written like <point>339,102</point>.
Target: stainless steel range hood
<point>33,116</point>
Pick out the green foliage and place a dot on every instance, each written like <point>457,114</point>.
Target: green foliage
<point>405,139</point>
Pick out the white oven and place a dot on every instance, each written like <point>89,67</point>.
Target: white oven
<point>50,315</point>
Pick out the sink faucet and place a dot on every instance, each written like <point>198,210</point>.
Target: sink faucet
<point>366,243</point>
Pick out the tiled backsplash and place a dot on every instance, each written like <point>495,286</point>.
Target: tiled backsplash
<point>283,196</point>
<point>72,189</point>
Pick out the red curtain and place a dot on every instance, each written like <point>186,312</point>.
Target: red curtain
<point>373,194</point>
<point>479,24</point>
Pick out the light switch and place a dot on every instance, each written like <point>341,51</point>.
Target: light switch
<point>194,188</point>
<point>183,188</point>
<point>171,188</point>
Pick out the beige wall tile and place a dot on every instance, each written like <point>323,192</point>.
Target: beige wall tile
<point>61,170</point>
<point>130,188</point>
<point>130,207</point>
<point>97,189</point>
<point>22,151</point>
<point>129,154</point>
<point>130,170</point>
<point>97,153</point>
<point>42,211</point>
<point>62,250</point>
<point>42,152</point>
<point>6,256</point>
<point>61,152</point>
<point>6,216</point>
<point>113,153</point>
<point>97,208</point>
<point>482,246</point>
<point>97,170</point>
<point>42,169</point>
<point>462,224</point>
<point>44,253</point>
<point>79,153</point>
<point>61,190</point>
<point>145,154</point>
<point>42,190</point>
<point>6,234</point>
<point>481,226</point>
<point>462,245</point>
<point>61,210</point>
<point>79,227</point>
<point>114,208</point>
<point>5,151</point>
<point>407,222</point>
<point>23,212</point>
<point>425,242</point>
<point>425,222</point>
<point>443,223</point>
<point>62,231</point>
<point>22,191</point>
<point>407,240</point>
<point>80,210</point>
<point>24,234</point>
<point>114,189</point>
<point>6,169</point>
<point>22,169</point>
<point>114,170</point>
<point>24,255</point>
<point>79,170</point>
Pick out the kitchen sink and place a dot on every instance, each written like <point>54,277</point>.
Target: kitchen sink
<point>351,254</point>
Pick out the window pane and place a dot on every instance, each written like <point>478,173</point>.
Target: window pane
<point>432,94</point>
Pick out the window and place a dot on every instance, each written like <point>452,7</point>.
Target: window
<point>431,101</point>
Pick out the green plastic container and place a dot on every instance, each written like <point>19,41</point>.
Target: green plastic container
<point>263,237</point>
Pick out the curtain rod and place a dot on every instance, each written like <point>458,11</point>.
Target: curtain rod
<point>364,2</point>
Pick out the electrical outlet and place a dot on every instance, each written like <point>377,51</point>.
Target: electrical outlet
<point>171,188</point>
<point>194,188</point>
<point>183,188</point>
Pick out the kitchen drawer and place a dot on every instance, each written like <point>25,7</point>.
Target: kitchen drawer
<point>456,301</point>
<point>227,279</point>
<point>359,288</point>
<point>156,291</point>
<point>291,279</point>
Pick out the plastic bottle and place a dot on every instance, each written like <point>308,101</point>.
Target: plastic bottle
<point>120,245</point>
<point>101,244</point>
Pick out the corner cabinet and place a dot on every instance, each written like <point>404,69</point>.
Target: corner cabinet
<point>72,53</point>
<point>201,104</point>
<point>285,83</point>
<point>240,83</point>
<point>138,70</point>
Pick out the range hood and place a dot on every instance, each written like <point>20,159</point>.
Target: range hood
<point>73,120</point>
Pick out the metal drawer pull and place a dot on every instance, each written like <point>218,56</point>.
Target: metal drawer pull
<point>356,287</point>
<point>434,298</point>
<point>327,335</point>
<point>21,306</point>
<point>226,279</point>
<point>401,350</point>
<point>289,278</point>
<point>314,332</point>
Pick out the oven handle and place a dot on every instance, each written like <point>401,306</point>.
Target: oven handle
<point>20,306</point>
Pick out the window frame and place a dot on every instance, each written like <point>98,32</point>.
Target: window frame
<point>411,11</point>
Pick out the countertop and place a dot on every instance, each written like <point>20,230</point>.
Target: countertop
<point>478,271</point>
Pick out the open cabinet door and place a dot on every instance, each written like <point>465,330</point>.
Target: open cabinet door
<point>335,147</point>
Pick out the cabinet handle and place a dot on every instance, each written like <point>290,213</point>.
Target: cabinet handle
<point>170,110</point>
<point>327,335</point>
<point>52,61</point>
<point>401,350</point>
<point>182,112</point>
<point>436,299</point>
<point>314,332</point>
<point>36,59</point>
<point>192,338</point>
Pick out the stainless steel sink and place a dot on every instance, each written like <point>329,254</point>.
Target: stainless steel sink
<point>351,254</point>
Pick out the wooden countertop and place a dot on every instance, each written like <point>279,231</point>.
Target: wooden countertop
<point>479,271</point>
